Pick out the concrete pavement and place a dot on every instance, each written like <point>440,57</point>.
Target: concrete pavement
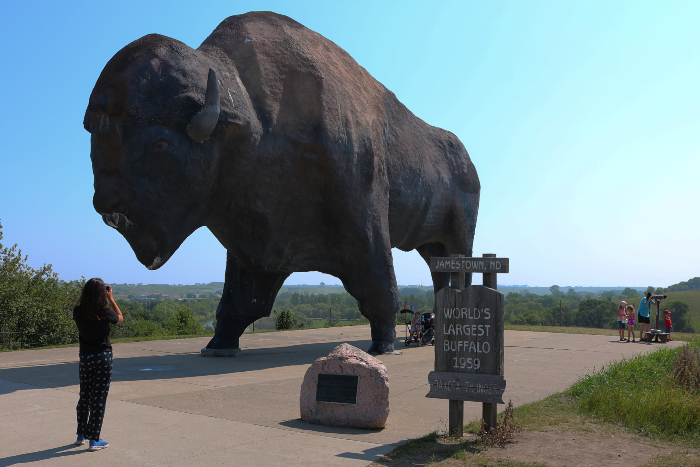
<point>169,406</point>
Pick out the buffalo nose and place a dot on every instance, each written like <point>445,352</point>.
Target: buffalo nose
<point>112,194</point>
<point>105,202</point>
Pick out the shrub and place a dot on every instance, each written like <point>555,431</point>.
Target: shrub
<point>285,320</point>
<point>186,322</point>
<point>593,313</point>
<point>36,307</point>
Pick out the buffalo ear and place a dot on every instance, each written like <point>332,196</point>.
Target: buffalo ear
<point>203,124</point>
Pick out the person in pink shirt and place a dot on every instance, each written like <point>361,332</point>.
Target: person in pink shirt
<point>621,319</point>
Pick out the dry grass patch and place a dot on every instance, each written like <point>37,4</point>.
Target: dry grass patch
<point>683,458</point>
<point>443,451</point>
<point>505,430</point>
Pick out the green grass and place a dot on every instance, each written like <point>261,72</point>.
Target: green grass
<point>318,323</point>
<point>640,393</point>
<point>635,397</point>
<point>553,411</point>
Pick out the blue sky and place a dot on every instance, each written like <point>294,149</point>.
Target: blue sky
<point>582,119</point>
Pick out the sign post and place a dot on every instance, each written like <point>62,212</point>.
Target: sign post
<point>469,326</point>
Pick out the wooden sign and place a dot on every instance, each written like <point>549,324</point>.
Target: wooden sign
<point>468,345</point>
<point>469,330</point>
<point>469,339</point>
<point>462,264</point>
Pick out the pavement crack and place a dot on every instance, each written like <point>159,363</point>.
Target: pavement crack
<point>413,389</point>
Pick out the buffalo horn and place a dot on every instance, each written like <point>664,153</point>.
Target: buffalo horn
<point>202,125</point>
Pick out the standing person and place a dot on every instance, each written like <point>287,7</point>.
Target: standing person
<point>630,323</point>
<point>621,318</point>
<point>93,316</point>
<point>668,324</point>
<point>644,320</point>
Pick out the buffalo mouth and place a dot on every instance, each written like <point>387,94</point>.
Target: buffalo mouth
<point>117,221</point>
<point>157,262</point>
<point>147,244</point>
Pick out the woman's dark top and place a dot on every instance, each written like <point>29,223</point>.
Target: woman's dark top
<point>94,335</point>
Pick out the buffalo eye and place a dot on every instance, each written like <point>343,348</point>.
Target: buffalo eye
<point>160,146</point>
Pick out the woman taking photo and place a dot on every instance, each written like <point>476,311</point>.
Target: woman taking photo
<point>93,316</point>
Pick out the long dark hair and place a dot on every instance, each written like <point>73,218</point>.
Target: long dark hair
<point>93,299</point>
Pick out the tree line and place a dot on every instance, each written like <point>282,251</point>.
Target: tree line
<point>36,308</point>
<point>571,309</point>
<point>298,310</point>
<point>163,318</point>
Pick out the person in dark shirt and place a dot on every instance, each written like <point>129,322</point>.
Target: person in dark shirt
<point>93,316</point>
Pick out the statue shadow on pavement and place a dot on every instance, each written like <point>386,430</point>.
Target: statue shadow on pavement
<point>174,365</point>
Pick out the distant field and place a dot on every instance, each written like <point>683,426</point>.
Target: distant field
<point>564,288</point>
<point>181,291</point>
<point>305,289</point>
<point>340,289</point>
<point>692,298</point>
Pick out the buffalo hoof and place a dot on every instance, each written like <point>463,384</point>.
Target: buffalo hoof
<point>383,348</point>
<point>220,352</point>
<point>225,342</point>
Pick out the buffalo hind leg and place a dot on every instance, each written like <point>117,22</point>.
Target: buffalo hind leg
<point>373,285</point>
<point>248,296</point>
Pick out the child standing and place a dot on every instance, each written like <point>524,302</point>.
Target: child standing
<point>667,323</point>
<point>621,318</point>
<point>630,323</point>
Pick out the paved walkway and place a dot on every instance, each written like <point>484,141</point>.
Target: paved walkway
<point>169,406</point>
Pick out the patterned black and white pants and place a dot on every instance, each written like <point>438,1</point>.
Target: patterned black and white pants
<point>95,375</point>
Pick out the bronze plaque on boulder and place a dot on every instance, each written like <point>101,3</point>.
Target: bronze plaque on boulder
<point>340,389</point>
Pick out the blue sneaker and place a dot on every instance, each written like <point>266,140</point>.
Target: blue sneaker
<point>97,445</point>
<point>80,441</point>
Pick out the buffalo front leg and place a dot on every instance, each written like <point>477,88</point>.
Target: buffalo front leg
<point>248,296</point>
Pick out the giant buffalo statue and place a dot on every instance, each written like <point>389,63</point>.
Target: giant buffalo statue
<point>289,152</point>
